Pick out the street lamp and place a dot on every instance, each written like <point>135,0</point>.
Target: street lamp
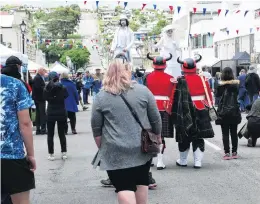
<point>23,28</point>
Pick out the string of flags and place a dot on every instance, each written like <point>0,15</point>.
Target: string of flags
<point>172,8</point>
<point>227,31</point>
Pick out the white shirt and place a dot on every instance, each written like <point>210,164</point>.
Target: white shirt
<point>122,38</point>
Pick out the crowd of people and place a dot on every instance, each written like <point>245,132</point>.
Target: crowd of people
<point>169,107</point>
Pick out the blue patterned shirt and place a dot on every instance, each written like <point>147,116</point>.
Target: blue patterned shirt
<point>14,97</point>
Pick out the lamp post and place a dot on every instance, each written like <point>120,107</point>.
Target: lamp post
<point>23,28</point>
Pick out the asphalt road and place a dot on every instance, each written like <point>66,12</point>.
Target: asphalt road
<point>75,181</point>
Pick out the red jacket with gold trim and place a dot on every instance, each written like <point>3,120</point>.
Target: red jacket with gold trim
<point>197,91</point>
<point>159,83</point>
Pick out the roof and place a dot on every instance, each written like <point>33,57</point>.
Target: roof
<point>6,21</point>
<point>241,56</point>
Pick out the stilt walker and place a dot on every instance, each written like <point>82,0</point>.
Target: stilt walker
<point>190,113</point>
<point>169,46</point>
<point>159,83</point>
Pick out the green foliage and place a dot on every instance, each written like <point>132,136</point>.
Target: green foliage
<point>136,12</point>
<point>54,52</point>
<point>7,8</point>
<point>79,56</point>
<point>63,21</point>
<point>134,26</point>
<point>74,36</point>
<point>142,19</point>
<point>118,9</point>
<point>158,28</point>
<point>40,15</point>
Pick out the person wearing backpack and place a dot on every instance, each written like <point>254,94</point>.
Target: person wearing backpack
<point>228,111</point>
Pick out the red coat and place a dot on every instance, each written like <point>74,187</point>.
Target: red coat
<point>162,88</point>
<point>197,90</point>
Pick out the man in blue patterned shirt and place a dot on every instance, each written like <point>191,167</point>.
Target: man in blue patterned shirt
<point>17,171</point>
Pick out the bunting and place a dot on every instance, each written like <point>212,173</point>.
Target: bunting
<point>125,4</point>
<point>245,13</point>
<point>154,6</point>
<point>228,32</point>
<point>226,12</point>
<point>257,28</point>
<point>171,8</point>
<point>204,11</point>
<point>251,29</point>
<point>118,2</point>
<point>143,6</point>
<point>219,11</point>
<point>85,2</point>
<point>97,2</point>
<point>238,11</point>
<point>194,10</point>
<point>179,9</point>
<point>237,31</point>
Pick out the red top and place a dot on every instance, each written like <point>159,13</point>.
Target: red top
<point>162,88</point>
<point>197,91</point>
<point>28,87</point>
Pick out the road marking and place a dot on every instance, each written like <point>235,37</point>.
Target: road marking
<point>212,145</point>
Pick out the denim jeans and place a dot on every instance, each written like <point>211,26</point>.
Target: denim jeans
<point>94,96</point>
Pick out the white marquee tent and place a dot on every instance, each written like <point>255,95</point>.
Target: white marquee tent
<point>59,68</point>
<point>6,52</point>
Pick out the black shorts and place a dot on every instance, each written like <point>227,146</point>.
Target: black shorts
<point>128,179</point>
<point>16,176</point>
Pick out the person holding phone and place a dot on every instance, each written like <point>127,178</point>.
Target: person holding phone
<point>18,168</point>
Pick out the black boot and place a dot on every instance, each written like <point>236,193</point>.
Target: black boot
<point>152,182</point>
<point>106,182</point>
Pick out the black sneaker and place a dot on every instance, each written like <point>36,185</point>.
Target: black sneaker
<point>106,182</point>
<point>152,182</point>
<point>38,132</point>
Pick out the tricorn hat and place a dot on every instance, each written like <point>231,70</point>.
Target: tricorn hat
<point>159,62</point>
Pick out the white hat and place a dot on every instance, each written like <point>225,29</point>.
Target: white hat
<point>123,17</point>
<point>169,27</point>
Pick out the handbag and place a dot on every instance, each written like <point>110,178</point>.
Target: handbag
<point>212,111</point>
<point>149,141</point>
<point>243,132</point>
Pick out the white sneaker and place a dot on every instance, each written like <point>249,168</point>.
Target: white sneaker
<point>51,157</point>
<point>64,155</point>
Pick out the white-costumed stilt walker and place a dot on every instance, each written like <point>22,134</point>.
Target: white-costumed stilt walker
<point>169,45</point>
<point>123,39</point>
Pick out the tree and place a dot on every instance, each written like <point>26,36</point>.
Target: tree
<point>53,52</point>
<point>78,56</point>
<point>142,19</point>
<point>134,26</point>
<point>158,28</point>
<point>63,21</point>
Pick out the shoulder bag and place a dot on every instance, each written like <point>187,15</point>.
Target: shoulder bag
<point>212,111</point>
<point>149,141</point>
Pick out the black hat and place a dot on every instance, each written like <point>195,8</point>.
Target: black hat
<point>189,64</point>
<point>159,62</point>
<point>13,60</point>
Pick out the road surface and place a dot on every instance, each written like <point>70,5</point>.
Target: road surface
<point>75,181</point>
<point>88,28</point>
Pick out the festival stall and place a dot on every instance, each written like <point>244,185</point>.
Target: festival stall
<point>59,68</point>
<point>33,67</point>
<point>6,52</point>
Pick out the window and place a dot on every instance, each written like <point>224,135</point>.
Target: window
<point>204,41</point>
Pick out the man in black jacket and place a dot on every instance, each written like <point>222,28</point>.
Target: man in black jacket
<point>252,84</point>
<point>37,95</point>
